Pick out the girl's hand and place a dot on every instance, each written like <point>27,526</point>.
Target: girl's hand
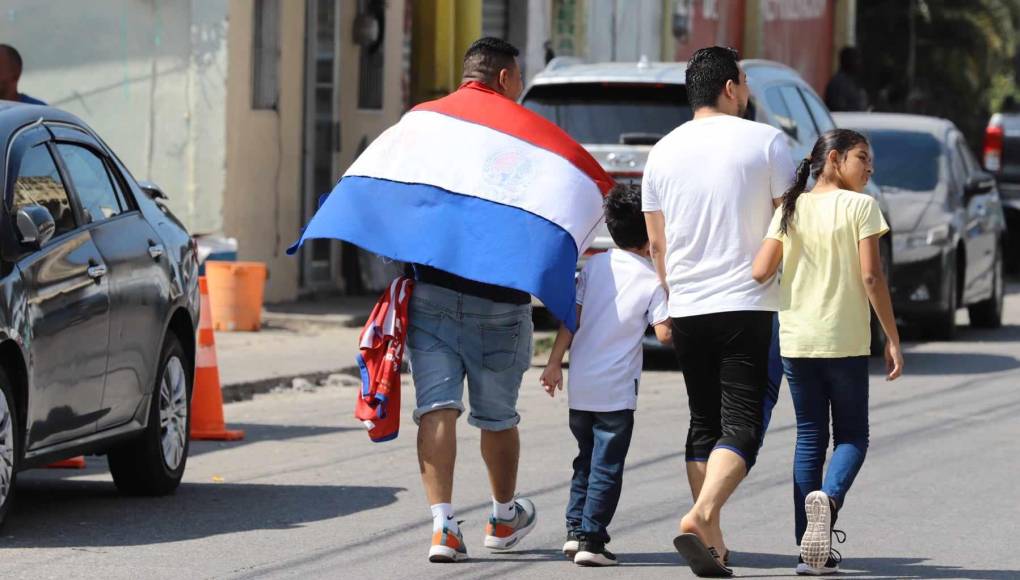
<point>552,378</point>
<point>893,360</point>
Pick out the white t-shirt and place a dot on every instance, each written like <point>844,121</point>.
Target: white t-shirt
<point>714,180</point>
<point>620,296</point>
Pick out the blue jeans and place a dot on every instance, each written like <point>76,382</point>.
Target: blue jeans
<point>602,443</point>
<point>818,384</point>
<point>453,336</point>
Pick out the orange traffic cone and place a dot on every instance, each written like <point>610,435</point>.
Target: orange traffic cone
<point>72,463</point>
<point>207,400</point>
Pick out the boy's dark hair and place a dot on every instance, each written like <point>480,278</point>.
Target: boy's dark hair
<point>707,73</point>
<point>486,57</point>
<point>624,217</point>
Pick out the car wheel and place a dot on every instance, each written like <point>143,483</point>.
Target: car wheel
<point>9,437</point>
<point>988,313</point>
<point>942,325</point>
<point>153,464</point>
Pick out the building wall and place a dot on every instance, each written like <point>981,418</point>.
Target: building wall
<point>150,77</point>
<point>362,126</point>
<point>623,30</point>
<point>262,206</point>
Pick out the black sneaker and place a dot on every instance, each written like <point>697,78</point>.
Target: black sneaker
<point>594,553</point>
<point>571,545</point>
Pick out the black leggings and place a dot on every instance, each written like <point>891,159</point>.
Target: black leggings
<point>724,358</point>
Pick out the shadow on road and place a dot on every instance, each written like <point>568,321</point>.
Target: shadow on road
<point>257,432</point>
<point>871,567</point>
<point>55,513</point>
<point>957,363</point>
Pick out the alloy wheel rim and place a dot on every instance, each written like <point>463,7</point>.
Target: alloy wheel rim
<point>173,413</point>
<point>6,450</point>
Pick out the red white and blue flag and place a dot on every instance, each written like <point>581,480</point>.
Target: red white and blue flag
<point>478,186</point>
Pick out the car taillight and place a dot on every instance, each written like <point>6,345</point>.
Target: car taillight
<point>993,144</point>
<point>625,174</point>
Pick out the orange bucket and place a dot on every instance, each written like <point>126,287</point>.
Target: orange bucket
<point>235,294</point>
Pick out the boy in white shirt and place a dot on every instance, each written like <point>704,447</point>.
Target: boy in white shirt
<point>618,297</point>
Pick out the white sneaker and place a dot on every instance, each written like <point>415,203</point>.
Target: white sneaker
<point>504,534</point>
<point>816,545</point>
<point>831,567</point>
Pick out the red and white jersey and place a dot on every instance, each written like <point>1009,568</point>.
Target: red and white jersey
<point>381,353</point>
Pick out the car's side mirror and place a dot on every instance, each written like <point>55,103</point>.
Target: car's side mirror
<point>35,226</point>
<point>978,184</point>
<point>152,190</point>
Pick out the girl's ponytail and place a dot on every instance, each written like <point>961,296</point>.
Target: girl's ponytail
<point>839,140</point>
<point>791,195</point>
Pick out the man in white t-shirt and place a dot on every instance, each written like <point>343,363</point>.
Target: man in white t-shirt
<point>618,297</point>
<point>709,191</point>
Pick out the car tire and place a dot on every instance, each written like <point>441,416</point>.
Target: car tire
<point>942,325</point>
<point>10,446</point>
<point>988,313</point>
<point>153,463</point>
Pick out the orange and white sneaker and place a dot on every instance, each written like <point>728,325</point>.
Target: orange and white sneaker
<point>447,546</point>
<point>505,534</point>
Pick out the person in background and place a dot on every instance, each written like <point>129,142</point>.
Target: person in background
<point>844,92</point>
<point>10,73</point>
<point>827,242</point>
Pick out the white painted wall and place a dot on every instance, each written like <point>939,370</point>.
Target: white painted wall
<point>624,30</point>
<point>148,75</point>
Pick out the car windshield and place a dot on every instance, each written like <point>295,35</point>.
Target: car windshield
<point>905,160</point>
<point>612,113</point>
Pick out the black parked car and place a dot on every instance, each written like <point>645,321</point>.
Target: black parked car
<point>947,218</point>
<point>98,309</point>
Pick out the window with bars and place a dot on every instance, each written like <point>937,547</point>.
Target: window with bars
<point>266,55</point>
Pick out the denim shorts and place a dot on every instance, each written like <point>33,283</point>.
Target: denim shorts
<point>452,336</point>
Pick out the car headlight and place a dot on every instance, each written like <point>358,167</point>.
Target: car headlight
<point>936,236</point>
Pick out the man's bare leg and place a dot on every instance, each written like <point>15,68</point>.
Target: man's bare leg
<point>501,450</point>
<point>696,477</point>
<point>724,472</point>
<point>437,454</point>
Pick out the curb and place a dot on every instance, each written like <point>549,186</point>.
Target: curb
<point>246,390</point>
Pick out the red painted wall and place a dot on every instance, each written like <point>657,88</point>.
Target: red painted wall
<point>711,22</point>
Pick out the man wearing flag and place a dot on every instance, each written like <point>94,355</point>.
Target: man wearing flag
<point>489,203</point>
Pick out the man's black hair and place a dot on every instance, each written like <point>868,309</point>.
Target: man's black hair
<point>486,57</point>
<point>624,218</point>
<point>707,73</point>
<point>13,54</point>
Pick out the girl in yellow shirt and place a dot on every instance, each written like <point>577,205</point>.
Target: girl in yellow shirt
<point>827,242</point>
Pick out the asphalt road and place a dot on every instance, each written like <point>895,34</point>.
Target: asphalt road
<point>306,495</point>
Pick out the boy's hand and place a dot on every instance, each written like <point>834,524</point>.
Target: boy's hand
<point>552,378</point>
<point>893,360</point>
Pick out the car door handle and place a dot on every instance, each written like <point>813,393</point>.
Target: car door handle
<point>97,271</point>
<point>156,251</point>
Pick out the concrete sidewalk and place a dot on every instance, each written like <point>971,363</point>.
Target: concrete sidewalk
<point>305,344</point>
<point>300,344</point>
